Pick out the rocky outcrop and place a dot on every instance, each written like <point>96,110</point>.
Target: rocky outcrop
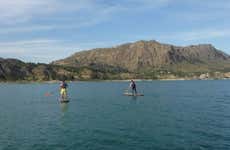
<point>151,55</point>
<point>14,70</point>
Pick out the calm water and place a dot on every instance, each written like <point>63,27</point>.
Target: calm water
<point>175,115</point>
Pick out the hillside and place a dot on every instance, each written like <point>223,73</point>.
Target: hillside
<point>144,56</point>
<point>16,70</point>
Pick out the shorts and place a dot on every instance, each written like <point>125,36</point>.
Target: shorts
<point>63,91</point>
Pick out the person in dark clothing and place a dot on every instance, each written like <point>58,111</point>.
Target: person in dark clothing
<point>133,87</point>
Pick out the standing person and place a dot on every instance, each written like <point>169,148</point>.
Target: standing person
<point>133,87</point>
<point>63,89</point>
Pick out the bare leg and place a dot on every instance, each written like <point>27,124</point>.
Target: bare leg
<point>135,91</point>
<point>65,95</point>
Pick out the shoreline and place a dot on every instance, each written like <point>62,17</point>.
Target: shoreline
<point>125,80</point>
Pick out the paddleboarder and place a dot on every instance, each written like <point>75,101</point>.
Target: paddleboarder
<point>133,87</point>
<point>63,89</point>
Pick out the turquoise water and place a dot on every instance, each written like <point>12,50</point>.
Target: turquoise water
<point>174,115</point>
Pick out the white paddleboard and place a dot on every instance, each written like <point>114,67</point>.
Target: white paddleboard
<point>131,94</point>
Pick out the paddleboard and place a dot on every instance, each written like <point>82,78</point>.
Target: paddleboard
<point>131,94</point>
<point>65,100</point>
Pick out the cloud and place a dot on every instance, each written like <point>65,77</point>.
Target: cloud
<point>28,42</point>
<point>32,49</point>
<point>64,15</point>
<point>197,10</point>
<point>210,4</point>
<point>197,35</point>
<point>45,50</point>
<point>25,11</point>
<point>21,11</point>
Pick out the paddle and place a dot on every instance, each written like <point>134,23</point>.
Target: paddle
<point>49,93</point>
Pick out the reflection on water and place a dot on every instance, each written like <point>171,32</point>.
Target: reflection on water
<point>64,115</point>
<point>134,98</point>
<point>64,107</point>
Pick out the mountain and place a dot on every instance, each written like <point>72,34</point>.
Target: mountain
<point>142,59</point>
<point>146,56</point>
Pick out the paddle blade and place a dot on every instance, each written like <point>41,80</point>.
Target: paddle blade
<point>47,94</point>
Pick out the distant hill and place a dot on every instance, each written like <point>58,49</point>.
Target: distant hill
<point>145,56</point>
<point>16,70</point>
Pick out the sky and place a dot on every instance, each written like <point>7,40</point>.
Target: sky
<point>47,30</point>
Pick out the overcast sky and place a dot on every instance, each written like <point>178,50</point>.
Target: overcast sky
<point>46,30</point>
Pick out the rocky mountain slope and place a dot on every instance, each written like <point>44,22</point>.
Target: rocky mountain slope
<point>152,55</point>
